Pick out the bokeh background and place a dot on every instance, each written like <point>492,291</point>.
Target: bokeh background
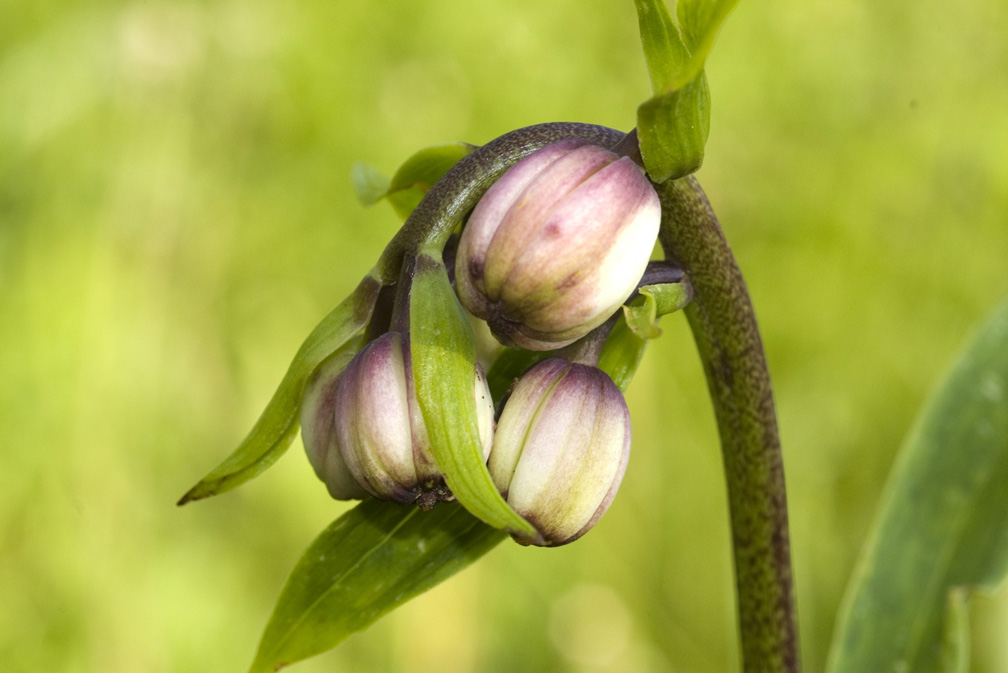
<point>176,214</point>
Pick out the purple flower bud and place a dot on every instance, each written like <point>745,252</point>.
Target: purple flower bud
<point>561,448</point>
<point>318,432</point>
<point>379,431</point>
<point>557,244</point>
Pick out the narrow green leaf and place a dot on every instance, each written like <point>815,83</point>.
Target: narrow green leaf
<point>673,125</point>
<point>413,179</point>
<point>672,128</point>
<point>664,51</point>
<point>372,559</point>
<point>625,346</point>
<point>275,430</point>
<point>444,358</point>
<point>943,527</point>
<point>419,173</point>
<point>369,183</point>
<point>699,21</point>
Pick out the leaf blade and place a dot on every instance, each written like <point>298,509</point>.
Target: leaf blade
<point>673,125</point>
<point>943,527</point>
<point>444,360</point>
<point>700,21</point>
<point>664,50</point>
<point>372,559</point>
<point>419,173</point>
<point>276,427</point>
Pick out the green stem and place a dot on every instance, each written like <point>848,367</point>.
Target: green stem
<point>724,327</point>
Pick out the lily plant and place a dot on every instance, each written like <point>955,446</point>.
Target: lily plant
<point>470,389</point>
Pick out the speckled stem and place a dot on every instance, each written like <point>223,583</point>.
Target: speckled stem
<point>724,328</point>
<point>458,191</point>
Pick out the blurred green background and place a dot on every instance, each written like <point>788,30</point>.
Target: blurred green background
<point>176,215</point>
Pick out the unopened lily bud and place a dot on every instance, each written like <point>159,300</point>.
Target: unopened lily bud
<point>561,448</point>
<point>318,431</point>
<point>380,430</point>
<point>557,244</point>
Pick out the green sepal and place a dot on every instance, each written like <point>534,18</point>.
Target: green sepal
<point>444,361</point>
<point>273,433</point>
<point>625,346</point>
<point>942,528</point>
<point>369,561</point>
<point>413,179</point>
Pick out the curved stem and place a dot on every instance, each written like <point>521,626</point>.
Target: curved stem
<point>724,327</point>
<point>458,191</point>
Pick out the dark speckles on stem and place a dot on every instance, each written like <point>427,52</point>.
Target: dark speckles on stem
<point>725,373</point>
<point>727,337</point>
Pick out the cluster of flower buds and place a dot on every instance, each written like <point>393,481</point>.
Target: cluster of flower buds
<point>551,251</point>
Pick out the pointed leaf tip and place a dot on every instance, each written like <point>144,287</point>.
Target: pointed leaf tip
<point>336,336</point>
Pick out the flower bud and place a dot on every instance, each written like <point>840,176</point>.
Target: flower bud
<point>318,432</point>
<point>557,244</point>
<point>379,428</point>
<point>561,448</point>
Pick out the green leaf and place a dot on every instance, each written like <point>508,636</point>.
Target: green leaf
<point>419,173</point>
<point>672,128</point>
<point>673,125</point>
<point>943,528</point>
<point>700,21</point>
<point>275,430</point>
<point>625,346</point>
<point>664,51</point>
<point>369,183</point>
<point>372,559</point>
<point>413,179</point>
<point>444,358</point>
